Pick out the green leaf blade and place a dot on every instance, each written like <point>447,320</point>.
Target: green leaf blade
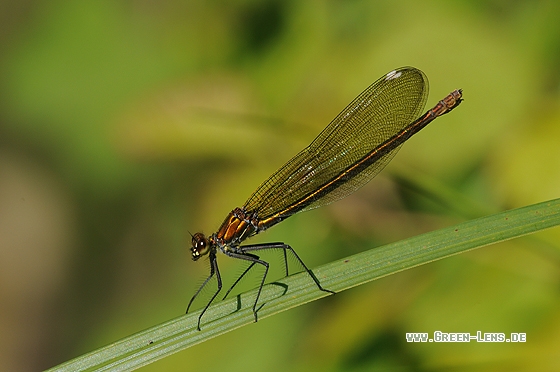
<point>175,335</point>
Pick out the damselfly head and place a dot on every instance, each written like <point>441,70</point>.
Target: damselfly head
<point>200,246</point>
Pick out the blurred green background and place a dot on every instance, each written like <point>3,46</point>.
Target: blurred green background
<point>126,124</point>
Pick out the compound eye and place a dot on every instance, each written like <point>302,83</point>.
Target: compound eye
<point>199,246</point>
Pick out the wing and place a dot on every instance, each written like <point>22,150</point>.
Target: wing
<point>381,111</point>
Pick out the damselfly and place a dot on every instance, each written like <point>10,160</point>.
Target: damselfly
<point>348,153</point>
